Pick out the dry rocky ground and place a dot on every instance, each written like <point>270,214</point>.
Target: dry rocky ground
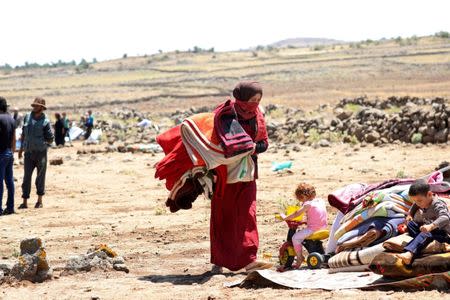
<point>112,198</point>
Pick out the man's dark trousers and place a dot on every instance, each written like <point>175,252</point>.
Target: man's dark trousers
<point>32,160</point>
<point>6,174</point>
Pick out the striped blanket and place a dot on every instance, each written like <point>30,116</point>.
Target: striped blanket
<point>360,257</point>
<point>203,147</point>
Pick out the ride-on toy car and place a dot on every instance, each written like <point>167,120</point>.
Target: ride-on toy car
<point>313,244</point>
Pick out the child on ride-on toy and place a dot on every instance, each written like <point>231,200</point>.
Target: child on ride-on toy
<point>316,214</point>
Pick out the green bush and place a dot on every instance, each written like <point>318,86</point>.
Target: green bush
<point>442,34</point>
<point>416,138</point>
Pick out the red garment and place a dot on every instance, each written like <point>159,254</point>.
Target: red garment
<point>233,230</point>
<point>176,162</point>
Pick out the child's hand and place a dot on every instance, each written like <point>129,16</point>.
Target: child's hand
<point>409,218</point>
<point>426,228</point>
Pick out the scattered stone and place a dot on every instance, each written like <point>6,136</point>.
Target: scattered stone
<point>324,143</point>
<point>121,268</point>
<point>56,161</point>
<point>372,137</point>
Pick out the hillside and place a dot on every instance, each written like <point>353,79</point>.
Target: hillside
<point>305,42</point>
<point>298,77</point>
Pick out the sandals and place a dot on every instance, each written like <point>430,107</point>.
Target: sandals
<point>258,265</point>
<point>38,205</point>
<point>23,206</point>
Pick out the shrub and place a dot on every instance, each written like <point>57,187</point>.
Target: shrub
<point>442,34</point>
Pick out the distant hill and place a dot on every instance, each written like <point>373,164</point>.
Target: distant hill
<point>305,42</point>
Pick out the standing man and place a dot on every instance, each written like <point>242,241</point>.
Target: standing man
<point>66,126</point>
<point>7,148</point>
<point>89,124</point>
<point>36,136</point>
<point>18,118</point>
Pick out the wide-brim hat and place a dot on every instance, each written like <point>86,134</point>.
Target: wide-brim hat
<point>39,102</point>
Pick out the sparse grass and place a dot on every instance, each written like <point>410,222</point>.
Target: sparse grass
<point>97,233</point>
<point>15,253</point>
<point>401,174</point>
<point>313,136</point>
<point>393,110</point>
<point>159,211</point>
<point>355,108</point>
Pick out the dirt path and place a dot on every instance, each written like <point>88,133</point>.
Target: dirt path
<point>113,199</point>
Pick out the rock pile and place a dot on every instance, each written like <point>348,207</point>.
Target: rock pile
<point>102,258</point>
<point>32,263</point>
<point>389,102</point>
<point>413,124</point>
<point>396,119</point>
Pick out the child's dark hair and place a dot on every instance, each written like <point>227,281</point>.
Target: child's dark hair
<point>304,189</point>
<point>419,187</point>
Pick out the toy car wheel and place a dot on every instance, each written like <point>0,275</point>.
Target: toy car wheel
<point>286,260</point>
<point>315,260</point>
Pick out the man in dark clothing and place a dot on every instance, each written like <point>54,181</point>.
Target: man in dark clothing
<point>7,148</point>
<point>36,136</point>
<point>18,118</point>
<point>89,124</point>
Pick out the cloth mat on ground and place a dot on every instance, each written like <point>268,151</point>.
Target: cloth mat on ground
<point>321,279</point>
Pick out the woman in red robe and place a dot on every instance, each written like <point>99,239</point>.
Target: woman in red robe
<point>233,231</point>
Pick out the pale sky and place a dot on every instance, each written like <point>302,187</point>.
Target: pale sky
<point>47,30</point>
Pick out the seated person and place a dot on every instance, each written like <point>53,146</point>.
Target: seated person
<point>428,220</point>
<point>316,214</point>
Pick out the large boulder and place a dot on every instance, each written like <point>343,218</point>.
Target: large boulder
<point>32,263</point>
<point>441,136</point>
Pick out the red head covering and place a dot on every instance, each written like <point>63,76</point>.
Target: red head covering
<point>243,91</point>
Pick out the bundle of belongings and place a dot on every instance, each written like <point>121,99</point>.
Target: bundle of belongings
<point>196,147</point>
<point>371,227</point>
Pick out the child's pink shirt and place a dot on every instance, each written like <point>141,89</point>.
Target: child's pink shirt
<point>316,214</point>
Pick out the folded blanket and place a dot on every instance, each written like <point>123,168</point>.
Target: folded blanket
<point>382,210</point>
<point>398,243</point>
<point>387,264</point>
<point>399,201</point>
<point>386,226</point>
<point>346,198</point>
<point>358,257</point>
<point>202,146</point>
<point>360,241</point>
<point>375,204</point>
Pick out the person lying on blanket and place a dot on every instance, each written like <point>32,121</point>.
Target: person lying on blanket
<point>316,214</point>
<point>428,220</point>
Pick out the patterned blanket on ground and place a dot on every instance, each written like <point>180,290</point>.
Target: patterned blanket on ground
<point>387,264</point>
